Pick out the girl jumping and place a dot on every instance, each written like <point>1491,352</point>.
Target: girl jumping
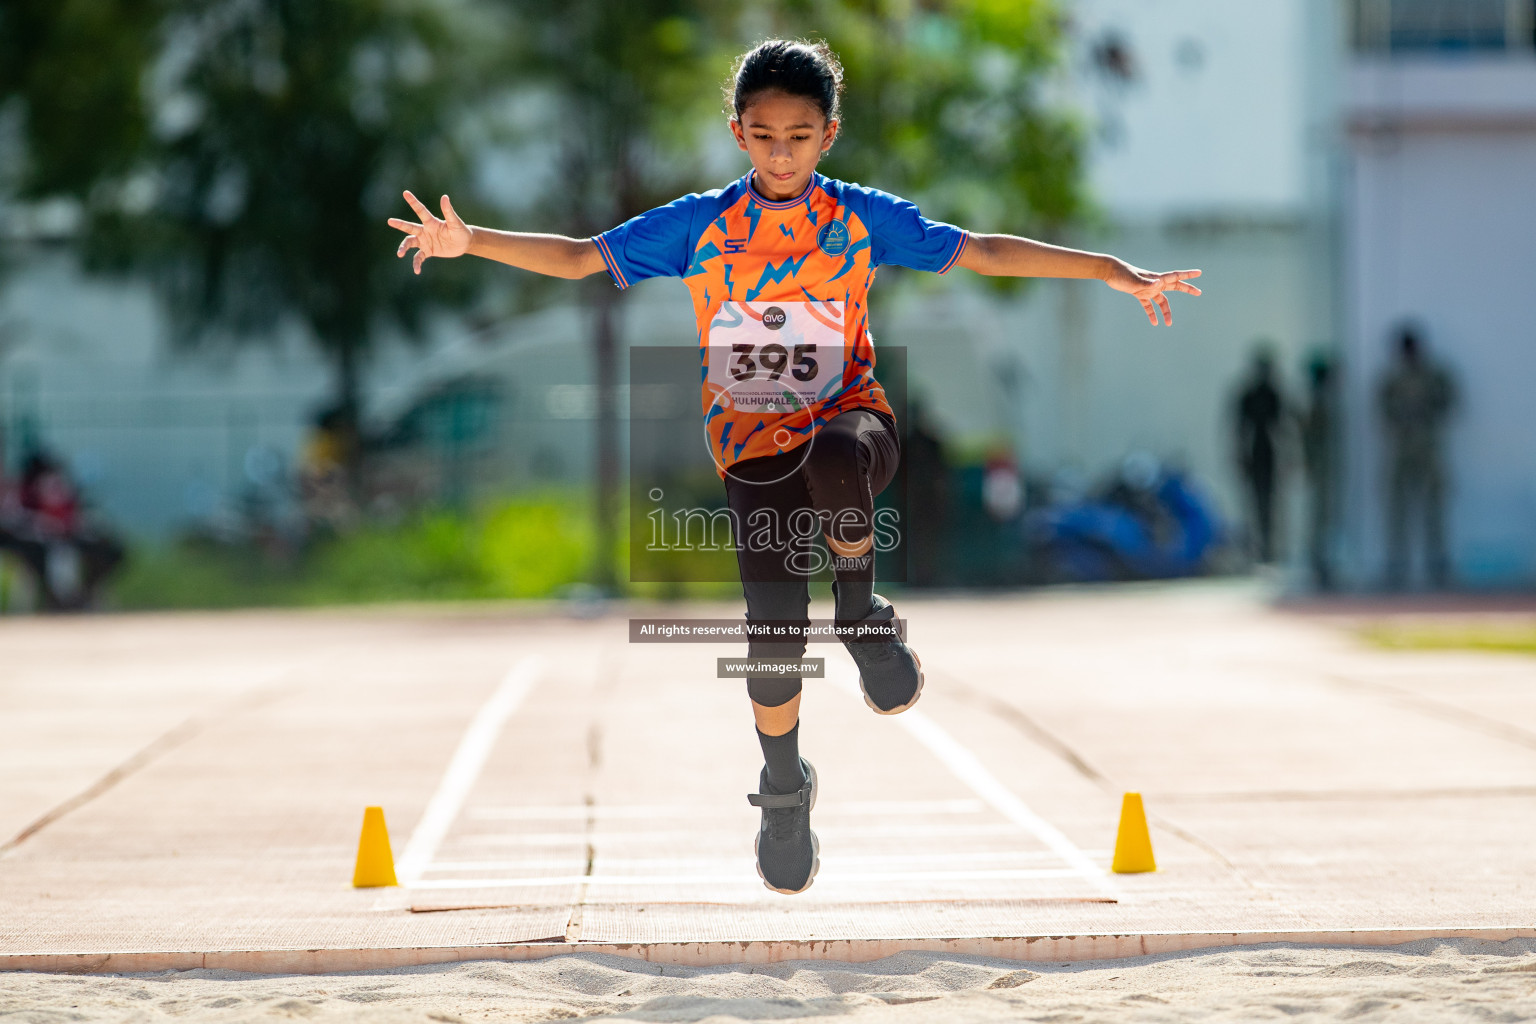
<point>779,264</point>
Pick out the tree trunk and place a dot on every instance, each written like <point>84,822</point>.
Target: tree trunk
<point>348,389</point>
<point>605,370</point>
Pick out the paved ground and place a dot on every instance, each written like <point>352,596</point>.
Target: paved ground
<point>196,782</point>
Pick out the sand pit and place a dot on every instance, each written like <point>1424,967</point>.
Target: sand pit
<point>1431,980</point>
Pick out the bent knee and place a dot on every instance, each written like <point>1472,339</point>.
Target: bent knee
<point>772,692</point>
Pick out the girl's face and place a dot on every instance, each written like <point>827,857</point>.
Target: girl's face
<point>784,136</point>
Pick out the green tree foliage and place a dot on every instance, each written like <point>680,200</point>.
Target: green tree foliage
<point>70,70</point>
<point>623,84</point>
<point>276,135</point>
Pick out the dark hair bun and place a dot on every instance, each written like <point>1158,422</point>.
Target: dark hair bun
<point>793,67</point>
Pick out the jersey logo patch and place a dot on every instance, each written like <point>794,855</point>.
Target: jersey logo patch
<point>734,245</point>
<point>832,239</point>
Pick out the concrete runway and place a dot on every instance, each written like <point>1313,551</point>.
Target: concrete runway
<point>186,790</point>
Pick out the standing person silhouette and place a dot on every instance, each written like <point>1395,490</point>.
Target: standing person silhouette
<point>779,264</point>
<point>1416,399</point>
<point>1260,409</point>
<point>1319,447</point>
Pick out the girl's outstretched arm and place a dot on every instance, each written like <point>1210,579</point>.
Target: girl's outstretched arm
<point>1012,256</point>
<point>449,236</point>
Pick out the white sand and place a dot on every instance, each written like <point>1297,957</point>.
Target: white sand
<point>1435,980</point>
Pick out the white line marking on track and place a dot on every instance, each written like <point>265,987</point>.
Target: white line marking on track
<point>994,858</point>
<point>968,769</point>
<point>557,812</point>
<point>475,746</point>
<point>743,878</point>
<point>922,834</point>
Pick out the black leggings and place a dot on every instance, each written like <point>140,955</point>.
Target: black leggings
<point>781,503</point>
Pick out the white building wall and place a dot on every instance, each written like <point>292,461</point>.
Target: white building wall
<point>1216,114</point>
<point>1442,230</point>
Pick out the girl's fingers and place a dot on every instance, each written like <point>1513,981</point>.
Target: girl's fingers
<point>404,225</point>
<point>421,211</point>
<point>448,211</point>
<point>1154,288</point>
<point>411,242</point>
<point>421,256</point>
<point>1173,280</point>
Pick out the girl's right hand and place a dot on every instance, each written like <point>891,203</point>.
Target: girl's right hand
<point>446,237</point>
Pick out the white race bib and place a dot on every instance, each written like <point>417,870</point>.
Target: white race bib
<point>776,357</point>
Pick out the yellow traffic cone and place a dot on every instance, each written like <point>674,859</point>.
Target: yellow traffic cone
<point>375,864</point>
<point>1133,844</point>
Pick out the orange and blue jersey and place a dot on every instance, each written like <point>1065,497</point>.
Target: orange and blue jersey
<point>780,291</point>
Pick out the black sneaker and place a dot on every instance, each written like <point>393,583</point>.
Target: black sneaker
<point>788,852</point>
<point>890,673</point>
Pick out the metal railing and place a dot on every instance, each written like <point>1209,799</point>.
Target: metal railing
<point>1396,26</point>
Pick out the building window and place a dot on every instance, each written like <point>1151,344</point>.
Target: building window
<point>1403,26</point>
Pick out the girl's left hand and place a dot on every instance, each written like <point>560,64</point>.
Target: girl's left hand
<point>1149,287</point>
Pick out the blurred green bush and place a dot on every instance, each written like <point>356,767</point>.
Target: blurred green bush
<point>538,546</point>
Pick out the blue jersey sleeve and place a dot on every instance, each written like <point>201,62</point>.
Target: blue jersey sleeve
<point>900,234</point>
<point>654,244</point>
